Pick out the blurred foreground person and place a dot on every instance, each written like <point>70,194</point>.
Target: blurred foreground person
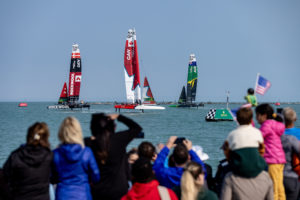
<point>74,165</point>
<point>291,147</point>
<point>27,170</point>
<point>110,152</point>
<point>247,180</point>
<point>274,155</point>
<point>192,184</point>
<point>144,186</point>
<point>182,154</point>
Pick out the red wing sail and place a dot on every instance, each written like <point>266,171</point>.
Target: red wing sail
<point>75,75</point>
<point>147,93</point>
<point>63,95</point>
<point>128,57</point>
<point>135,67</point>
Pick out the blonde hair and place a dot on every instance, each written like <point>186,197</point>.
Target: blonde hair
<point>189,185</point>
<point>290,115</point>
<point>70,131</point>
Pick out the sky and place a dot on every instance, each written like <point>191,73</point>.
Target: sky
<point>233,40</point>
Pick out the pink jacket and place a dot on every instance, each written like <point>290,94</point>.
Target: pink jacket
<point>272,131</point>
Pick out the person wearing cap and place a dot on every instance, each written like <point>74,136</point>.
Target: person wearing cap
<point>251,98</point>
<point>248,180</point>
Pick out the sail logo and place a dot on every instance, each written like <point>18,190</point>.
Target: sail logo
<point>128,54</point>
<point>78,78</point>
<point>72,84</point>
<point>192,82</point>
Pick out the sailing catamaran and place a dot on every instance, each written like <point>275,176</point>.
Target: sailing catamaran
<point>69,98</point>
<point>148,99</point>
<point>132,76</point>
<point>187,97</point>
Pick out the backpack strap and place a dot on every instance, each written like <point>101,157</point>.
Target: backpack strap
<point>163,193</point>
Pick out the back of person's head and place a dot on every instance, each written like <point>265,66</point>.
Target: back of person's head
<point>180,154</point>
<point>101,123</point>
<point>289,115</point>
<point>265,109</point>
<point>250,91</point>
<point>244,116</point>
<point>70,132</point>
<point>38,134</point>
<point>142,171</point>
<point>191,182</point>
<point>102,127</point>
<point>147,150</point>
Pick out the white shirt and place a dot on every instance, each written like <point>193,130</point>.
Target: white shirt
<point>244,136</point>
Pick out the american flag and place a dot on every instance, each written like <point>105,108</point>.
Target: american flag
<point>262,85</point>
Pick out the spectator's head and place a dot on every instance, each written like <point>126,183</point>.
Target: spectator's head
<point>147,150</point>
<point>290,117</point>
<point>250,91</point>
<point>192,181</point>
<point>180,154</point>
<point>244,116</point>
<point>132,155</point>
<point>38,134</point>
<point>70,131</point>
<point>101,123</point>
<point>142,171</point>
<point>264,112</point>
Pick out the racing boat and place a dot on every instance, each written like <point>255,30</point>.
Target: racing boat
<point>187,97</point>
<point>69,99</point>
<point>132,77</point>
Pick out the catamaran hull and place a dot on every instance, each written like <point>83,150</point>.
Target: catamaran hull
<point>71,106</point>
<point>149,107</point>
<point>125,106</point>
<point>187,105</point>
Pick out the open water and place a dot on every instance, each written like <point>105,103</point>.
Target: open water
<point>158,125</point>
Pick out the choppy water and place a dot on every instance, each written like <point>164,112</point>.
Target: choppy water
<point>158,125</point>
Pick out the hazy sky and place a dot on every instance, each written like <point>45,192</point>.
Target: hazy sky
<point>233,40</point>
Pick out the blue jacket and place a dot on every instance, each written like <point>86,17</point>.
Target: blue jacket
<point>293,131</point>
<point>73,168</point>
<point>170,177</point>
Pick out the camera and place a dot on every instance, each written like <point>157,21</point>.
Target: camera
<point>179,140</point>
<point>140,135</point>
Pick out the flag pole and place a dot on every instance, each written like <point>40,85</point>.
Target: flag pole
<point>256,81</point>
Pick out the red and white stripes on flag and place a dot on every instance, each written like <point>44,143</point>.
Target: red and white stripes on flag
<point>262,85</point>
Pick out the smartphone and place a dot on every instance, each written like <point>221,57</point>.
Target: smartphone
<point>179,140</point>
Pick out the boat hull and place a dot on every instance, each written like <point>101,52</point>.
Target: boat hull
<point>149,107</point>
<point>125,106</point>
<point>69,106</point>
<point>187,105</point>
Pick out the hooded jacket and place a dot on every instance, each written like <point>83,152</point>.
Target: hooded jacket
<point>27,171</point>
<point>74,167</point>
<point>272,131</point>
<point>146,191</point>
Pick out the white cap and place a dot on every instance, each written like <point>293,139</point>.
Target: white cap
<point>199,150</point>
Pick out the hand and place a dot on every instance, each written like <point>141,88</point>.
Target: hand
<point>171,141</point>
<point>113,116</point>
<point>188,144</point>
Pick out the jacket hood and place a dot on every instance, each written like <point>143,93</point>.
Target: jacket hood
<point>33,155</point>
<point>247,162</point>
<point>71,152</point>
<point>277,127</point>
<point>142,190</point>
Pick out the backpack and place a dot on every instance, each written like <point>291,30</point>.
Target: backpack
<point>296,163</point>
<point>163,193</point>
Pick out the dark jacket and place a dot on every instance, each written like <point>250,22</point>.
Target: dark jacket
<point>114,181</point>
<point>27,171</point>
<point>74,167</point>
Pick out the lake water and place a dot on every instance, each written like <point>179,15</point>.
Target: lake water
<point>158,125</point>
